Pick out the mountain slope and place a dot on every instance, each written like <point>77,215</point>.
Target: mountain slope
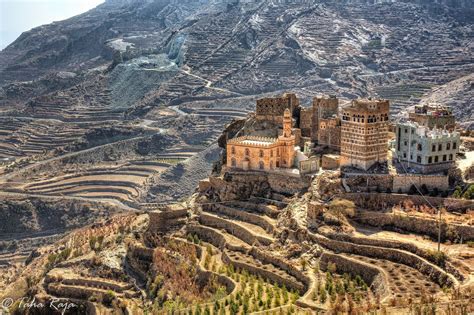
<point>221,49</point>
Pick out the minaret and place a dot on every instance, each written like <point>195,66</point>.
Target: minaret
<point>287,141</point>
<point>287,123</point>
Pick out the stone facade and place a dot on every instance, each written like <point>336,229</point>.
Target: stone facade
<point>323,108</point>
<point>310,165</point>
<point>330,161</point>
<point>306,121</point>
<point>273,108</point>
<point>425,150</point>
<point>433,116</point>
<point>329,132</point>
<point>402,183</point>
<point>364,135</point>
<point>261,153</point>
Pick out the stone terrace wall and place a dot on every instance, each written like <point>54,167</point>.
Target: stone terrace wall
<point>291,284</point>
<point>403,182</point>
<point>380,201</point>
<point>432,271</point>
<point>207,234</point>
<point>236,229</point>
<point>162,221</point>
<point>417,225</point>
<point>393,244</point>
<point>242,215</point>
<point>292,270</point>
<point>372,275</point>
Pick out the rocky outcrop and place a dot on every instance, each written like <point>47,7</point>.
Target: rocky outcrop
<point>240,185</point>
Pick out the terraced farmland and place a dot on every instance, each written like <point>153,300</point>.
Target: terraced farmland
<point>24,137</point>
<point>123,183</point>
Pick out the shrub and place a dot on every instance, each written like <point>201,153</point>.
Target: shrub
<point>108,297</point>
<point>412,190</point>
<point>438,257</point>
<point>469,193</point>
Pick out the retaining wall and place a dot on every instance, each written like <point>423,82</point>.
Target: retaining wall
<point>263,272</point>
<point>417,225</point>
<point>404,182</point>
<point>233,228</point>
<point>380,201</point>
<point>242,215</point>
<point>372,275</point>
<point>434,272</point>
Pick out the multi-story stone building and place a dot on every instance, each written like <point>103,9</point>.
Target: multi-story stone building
<point>329,132</point>
<point>426,150</point>
<point>323,108</point>
<point>262,153</point>
<point>272,108</point>
<point>364,133</point>
<point>433,116</point>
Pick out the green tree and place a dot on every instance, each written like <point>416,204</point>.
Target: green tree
<point>469,193</point>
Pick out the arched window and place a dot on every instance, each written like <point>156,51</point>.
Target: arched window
<point>271,164</point>
<point>271,153</point>
<point>247,152</point>
<point>261,165</point>
<point>261,153</point>
<point>233,162</point>
<point>233,150</point>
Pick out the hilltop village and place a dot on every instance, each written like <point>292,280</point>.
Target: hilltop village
<point>333,208</point>
<point>358,137</point>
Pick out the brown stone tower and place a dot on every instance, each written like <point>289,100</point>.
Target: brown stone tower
<point>364,133</point>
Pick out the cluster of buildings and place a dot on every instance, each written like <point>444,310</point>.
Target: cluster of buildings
<point>354,135</point>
